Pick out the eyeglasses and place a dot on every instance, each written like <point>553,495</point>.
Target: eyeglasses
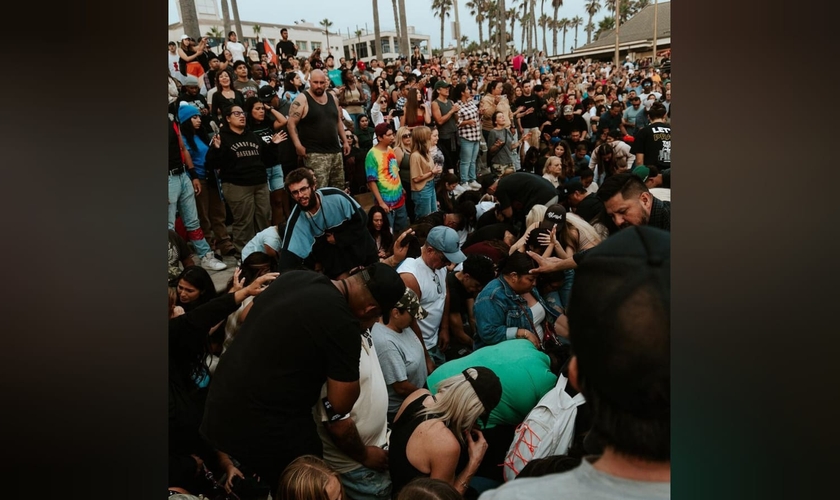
<point>300,191</point>
<point>237,113</point>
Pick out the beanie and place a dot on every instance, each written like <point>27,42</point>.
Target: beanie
<point>186,111</point>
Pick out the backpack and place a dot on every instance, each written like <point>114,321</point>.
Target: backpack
<point>547,430</point>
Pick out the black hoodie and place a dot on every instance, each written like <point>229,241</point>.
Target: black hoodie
<point>242,158</point>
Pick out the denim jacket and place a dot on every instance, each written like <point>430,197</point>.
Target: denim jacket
<point>499,312</point>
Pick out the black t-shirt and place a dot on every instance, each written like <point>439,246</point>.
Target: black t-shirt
<point>534,119</point>
<point>523,190</point>
<point>300,331</point>
<point>654,141</point>
<point>458,295</point>
<point>285,48</point>
<point>566,126</point>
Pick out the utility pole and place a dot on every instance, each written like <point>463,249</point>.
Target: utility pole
<point>457,27</point>
<point>617,23</point>
<point>655,29</point>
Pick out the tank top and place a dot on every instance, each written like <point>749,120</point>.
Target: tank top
<point>450,128</point>
<point>402,472</point>
<point>405,168</point>
<point>317,131</point>
<point>431,299</point>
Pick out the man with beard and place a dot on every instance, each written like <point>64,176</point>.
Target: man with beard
<point>285,47</point>
<point>243,81</point>
<point>327,229</point>
<point>315,127</point>
<point>303,333</point>
<point>628,202</point>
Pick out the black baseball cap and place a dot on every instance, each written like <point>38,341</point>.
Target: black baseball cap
<point>386,286</point>
<point>487,387</point>
<point>266,93</point>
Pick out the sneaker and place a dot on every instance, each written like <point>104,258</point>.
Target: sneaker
<point>475,185</point>
<point>211,263</point>
<point>459,189</point>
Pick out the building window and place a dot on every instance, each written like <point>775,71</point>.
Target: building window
<point>361,50</point>
<point>316,46</point>
<point>386,45</point>
<point>301,45</point>
<point>373,48</point>
<point>206,7</point>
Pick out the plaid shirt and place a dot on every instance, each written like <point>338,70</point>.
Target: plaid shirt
<point>660,214</point>
<point>469,111</point>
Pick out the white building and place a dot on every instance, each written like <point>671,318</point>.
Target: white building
<point>366,41</point>
<point>306,35</point>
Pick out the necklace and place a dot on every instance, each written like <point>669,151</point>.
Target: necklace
<point>321,230</point>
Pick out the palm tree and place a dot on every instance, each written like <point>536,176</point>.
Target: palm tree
<point>605,24</point>
<point>377,37</point>
<point>500,27</point>
<point>564,24</point>
<point>327,24</point>
<point>215,32</point>
<point>556,24</point>
<point>235,8</point>
<point>396,24</point>
<point>465,40</point>
<point>257,28</point>
<point>441,9</point>
<point>589,29</point>
<point>476,9</point>
<point>226,17</point>
<point>189,17</point>
<point>577,21</point>
<point>544,22</point>
<point>592,7</point>
<point>404,41</point>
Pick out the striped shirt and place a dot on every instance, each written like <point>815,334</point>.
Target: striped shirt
<point>469,111</point>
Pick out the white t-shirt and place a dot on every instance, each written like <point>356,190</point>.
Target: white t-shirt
<point>237,50</point>
<point>268,237</point>
<point>174,69</point>
<point>369,413</point>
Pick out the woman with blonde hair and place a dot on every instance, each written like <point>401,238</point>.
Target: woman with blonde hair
<point>309,478</point>
<point>431,431</point>
<point>423,171</point>
<point>402,151</point>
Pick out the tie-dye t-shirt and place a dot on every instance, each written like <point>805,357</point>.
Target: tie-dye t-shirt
<point>382,167</point>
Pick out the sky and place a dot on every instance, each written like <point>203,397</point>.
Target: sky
<point>350,14</point>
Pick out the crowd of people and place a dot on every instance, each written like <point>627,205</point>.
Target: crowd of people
<point>428,254</point>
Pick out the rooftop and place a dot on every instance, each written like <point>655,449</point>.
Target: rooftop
<point>638,28</point>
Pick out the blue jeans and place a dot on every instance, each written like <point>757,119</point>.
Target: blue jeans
<point>469,152</point>
<point>398,217</point>
<point>275,177</point>
<point>425,200</point>
<point>364,484</point>
<point>182,199</point>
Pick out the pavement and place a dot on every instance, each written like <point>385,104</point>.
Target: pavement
<point>223,277</point>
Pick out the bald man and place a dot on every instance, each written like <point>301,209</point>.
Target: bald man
<point>317,131</point>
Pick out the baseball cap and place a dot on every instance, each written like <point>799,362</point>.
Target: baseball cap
<point>385,285</point>
<point>642,172</point>
<point>446,240</point>
<point>361,65</point>
<point>266,93</point>
<point>568,110</point>
<point>410,301</point>
<point>568,188</point>
<point>191,81</point>
<point>555,214</point>
<point>487,387</point>
<point>185,37</point>
<point>399,78</point>
<point>441,84</point>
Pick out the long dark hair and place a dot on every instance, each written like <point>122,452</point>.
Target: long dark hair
<point>198,277</point>
<point>188,132</point>
<point>385,236</point>
<point>608,168</point>
<point>249,106</point>
<point>289,82</point>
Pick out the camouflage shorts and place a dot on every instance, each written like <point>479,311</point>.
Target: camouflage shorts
<point>328,168</point>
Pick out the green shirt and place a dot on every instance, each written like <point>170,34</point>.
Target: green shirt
<point>523,370</point>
